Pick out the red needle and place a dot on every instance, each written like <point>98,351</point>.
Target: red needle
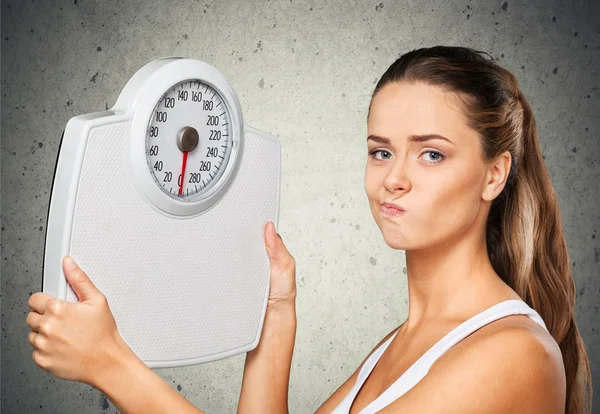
<point>183,172</point>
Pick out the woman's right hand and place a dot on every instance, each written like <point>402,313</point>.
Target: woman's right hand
<point>283,270</point>
<point>267,369</point>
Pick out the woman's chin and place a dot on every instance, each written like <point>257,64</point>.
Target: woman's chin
<point>390,233</point>
<point>395,242</point>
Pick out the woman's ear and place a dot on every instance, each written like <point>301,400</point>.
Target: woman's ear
<point>497,175</point>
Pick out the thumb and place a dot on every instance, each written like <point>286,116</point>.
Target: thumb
<point>275,246</point>
<point>79,281</point>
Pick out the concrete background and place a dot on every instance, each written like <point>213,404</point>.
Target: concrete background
<point>304,71</point>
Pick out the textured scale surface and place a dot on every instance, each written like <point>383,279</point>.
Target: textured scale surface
<point>178,289</point>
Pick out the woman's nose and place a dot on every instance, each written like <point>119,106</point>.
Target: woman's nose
<point>397,178</point>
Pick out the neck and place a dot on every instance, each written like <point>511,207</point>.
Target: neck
<point>452,280</point>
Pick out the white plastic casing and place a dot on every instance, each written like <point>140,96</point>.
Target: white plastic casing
<point>186,285</point>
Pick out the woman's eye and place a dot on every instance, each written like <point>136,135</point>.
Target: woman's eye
<point>435,158</point>
<point>373,154</point>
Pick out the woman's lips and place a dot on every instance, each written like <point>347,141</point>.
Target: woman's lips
<point>391,210</point>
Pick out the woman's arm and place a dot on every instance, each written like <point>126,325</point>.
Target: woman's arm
<point>267,369</point>
<point>134,388</point>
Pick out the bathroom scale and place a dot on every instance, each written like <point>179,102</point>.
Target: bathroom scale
<point>163,201</point>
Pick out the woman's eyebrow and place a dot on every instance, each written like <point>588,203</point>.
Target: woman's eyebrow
<point>412,138</point>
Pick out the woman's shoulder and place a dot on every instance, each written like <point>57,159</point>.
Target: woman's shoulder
<point>509,364</point>
<point>514,354</point>
<point>512,339</point>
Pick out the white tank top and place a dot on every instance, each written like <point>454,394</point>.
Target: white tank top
<point>417,371</point>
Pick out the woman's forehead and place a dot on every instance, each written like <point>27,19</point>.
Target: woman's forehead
<point>403,109</point>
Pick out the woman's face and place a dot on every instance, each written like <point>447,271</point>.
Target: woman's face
<point>437,181</point>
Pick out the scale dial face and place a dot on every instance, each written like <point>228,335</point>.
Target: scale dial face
<point>188,141</point>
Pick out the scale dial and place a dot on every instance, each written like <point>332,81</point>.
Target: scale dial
<point>186,136</point>
<point>187,140</point>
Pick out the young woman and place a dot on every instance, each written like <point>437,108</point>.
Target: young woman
<point>455,178</point>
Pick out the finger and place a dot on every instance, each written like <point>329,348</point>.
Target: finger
<point>40,359</point>
<point>79,280</point>
<point>31,337</point>
<point>38,301</point>
<point>33,320</point>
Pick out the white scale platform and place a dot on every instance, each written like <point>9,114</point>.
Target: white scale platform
<point>186,277</point>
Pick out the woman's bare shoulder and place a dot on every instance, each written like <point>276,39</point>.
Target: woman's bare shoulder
<point>510,365</point>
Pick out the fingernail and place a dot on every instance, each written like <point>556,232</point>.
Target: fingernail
<point>70,263</point>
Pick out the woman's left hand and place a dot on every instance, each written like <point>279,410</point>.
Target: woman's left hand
<point>74,341</point>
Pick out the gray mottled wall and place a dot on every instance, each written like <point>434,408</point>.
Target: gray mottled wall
<point>304,72</point>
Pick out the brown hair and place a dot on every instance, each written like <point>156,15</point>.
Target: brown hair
<point>524,237</point>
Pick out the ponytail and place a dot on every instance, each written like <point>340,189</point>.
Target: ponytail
<point>528,250</point>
